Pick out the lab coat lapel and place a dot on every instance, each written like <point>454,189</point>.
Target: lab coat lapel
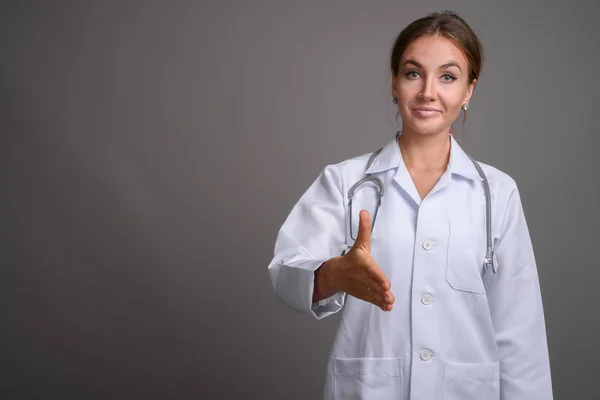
<point>406,183</point>
<point>390,158</point>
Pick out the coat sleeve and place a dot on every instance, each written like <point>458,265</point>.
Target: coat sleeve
<point>313,232</point>
<point>516,308</point>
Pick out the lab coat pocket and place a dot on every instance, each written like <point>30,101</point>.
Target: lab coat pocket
<point>471,381</point>
<point>464,262</point>
<point>368,378</point>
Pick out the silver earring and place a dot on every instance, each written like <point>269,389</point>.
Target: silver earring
<point>394,100</point>
<point>465,107</point>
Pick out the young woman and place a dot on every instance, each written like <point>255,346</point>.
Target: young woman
<point>425,315</point>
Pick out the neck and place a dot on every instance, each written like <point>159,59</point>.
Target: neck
<point>425,152</point>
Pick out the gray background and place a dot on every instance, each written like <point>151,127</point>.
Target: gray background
<point>150,151</point>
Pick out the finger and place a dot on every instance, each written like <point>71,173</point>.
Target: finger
<point>389,298</point>
<point>377,275</point>
<point>385,301</point>
<point>363,239</point>
<point>382,303</point>
<point>374,285</point>
<point>373,297</point>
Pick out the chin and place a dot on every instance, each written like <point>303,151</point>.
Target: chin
<point>427,127</point>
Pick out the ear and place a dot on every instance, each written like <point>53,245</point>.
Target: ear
<point>394,83</point>
<point>470,89</point>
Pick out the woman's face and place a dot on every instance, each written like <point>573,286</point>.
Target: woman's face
<point>432,85</point>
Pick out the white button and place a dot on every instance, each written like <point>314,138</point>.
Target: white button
<point>427,244</point>
<point>426,355</point>
<point>426,299</point>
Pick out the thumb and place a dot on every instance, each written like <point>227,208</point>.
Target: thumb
<point>363,239</point>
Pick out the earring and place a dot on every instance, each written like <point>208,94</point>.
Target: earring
<point>465,107</point>
<point>394,100</point>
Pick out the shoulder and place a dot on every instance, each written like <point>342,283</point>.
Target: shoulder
<point>347,169</point>
<point>504,191</point>
<point>499,180</point>
<point>496,176</point>
<point>358,162</point>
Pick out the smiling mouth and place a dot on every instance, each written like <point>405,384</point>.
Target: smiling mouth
<point>426,111</point>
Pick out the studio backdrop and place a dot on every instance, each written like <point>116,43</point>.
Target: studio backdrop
<point>151,150</point>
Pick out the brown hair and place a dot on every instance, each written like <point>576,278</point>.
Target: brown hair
<point>449,25</point>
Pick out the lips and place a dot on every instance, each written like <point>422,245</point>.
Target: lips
<point>426,109</point>
<point>426,112</point>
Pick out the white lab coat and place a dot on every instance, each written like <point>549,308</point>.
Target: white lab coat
<point>456,332</point>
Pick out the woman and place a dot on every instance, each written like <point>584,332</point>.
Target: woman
<point>422,318</point>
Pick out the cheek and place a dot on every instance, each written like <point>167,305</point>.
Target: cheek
<point>406,97</point>
<point>407,88</point>
<point>452,99</point>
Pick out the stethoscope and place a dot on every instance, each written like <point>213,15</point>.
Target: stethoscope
<point>489,260</point>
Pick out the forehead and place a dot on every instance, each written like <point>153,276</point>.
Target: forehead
<point>434,51</point>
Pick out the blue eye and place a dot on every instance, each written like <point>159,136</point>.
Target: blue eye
<point>449,77</point>
<point>411,74</point>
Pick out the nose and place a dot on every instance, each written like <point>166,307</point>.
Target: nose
<point>428,89</point>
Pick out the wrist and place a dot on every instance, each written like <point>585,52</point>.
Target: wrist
<point>324,280</point>
<point>328,272</point>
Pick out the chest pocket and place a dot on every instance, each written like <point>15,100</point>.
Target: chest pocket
<point>466,252</point>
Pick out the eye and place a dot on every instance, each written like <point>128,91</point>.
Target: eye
<point>448,78</point>
<point>411,74</point>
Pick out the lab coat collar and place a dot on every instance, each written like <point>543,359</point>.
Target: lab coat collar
<point>389,157</point>
<point>458,164</point>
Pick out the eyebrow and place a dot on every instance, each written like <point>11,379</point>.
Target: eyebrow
<point>445,66</point>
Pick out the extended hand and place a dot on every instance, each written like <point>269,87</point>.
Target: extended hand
<point>357,274</point>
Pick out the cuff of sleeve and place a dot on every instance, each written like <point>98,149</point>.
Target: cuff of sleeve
<point>295,286</point>
<point>328,306</point>
<point>325,307</point>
